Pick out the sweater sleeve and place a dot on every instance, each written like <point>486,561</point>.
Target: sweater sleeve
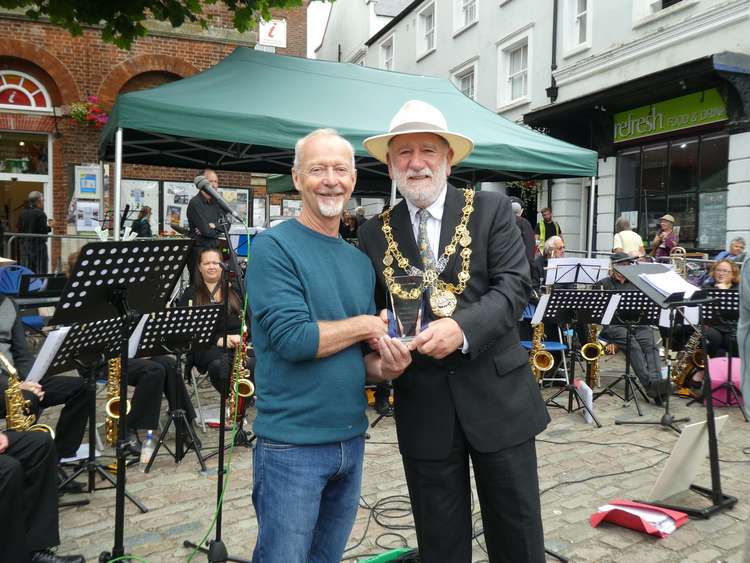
<point>277,300</point>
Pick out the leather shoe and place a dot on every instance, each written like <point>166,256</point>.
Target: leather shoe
<point>383,407</point>
<point>48,556</point>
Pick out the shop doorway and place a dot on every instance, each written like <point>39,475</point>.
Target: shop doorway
<point>13,198</point>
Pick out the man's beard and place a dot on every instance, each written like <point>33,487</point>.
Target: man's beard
<point>425,192</point>
<point>331,209</point>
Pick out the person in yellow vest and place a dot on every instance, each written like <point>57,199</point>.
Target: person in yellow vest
<point>546,228</point>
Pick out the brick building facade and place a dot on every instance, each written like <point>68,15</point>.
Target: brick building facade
<point>44,141</point>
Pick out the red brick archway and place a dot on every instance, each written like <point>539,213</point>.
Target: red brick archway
<point>45,60</point>
<point>123,72</point>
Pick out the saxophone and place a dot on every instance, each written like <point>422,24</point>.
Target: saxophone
<point>591,352</point>
<point>688,361</point>
<point>240,384</point>
<point>17,408</point>
<point>113,407</point>
<point>539,358</point>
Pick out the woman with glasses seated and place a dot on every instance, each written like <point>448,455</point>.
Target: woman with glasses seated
<point>206,290</point>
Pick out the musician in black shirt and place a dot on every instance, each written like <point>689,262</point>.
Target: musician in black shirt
<point>204,216</point>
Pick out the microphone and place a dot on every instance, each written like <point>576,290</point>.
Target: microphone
<point>202,183</point>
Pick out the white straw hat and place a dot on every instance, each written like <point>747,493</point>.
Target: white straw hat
<point>416,116</point>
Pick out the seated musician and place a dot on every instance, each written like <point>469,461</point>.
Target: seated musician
<point>205,290</point>
<point>28,499</point>
<point>644,351</point>
<point>554,247</point>
<point>69,391</point>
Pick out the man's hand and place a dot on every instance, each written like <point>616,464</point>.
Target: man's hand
<point>376,327</point>
<point>233,340</point>
<point>611,348</point>
<point>4,443</point>
<point>34,388</point>
<point>441,338</point>
<point>395,357</point>
<point>373,342</point>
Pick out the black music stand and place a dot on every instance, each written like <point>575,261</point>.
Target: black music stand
<point>85,347</point>
<point>719,500</point>
<point>565,306</point>
<point>634,309</point>
<point>173,331</point>
<point>121,279</point>
<point>724,309</point>
<point>574,270</point>
<point>674,303</point>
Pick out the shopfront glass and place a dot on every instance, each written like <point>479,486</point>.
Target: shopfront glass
<point>685,177</point>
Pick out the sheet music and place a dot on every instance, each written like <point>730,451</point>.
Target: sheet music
<point>135,338</point>
<point>50,347</point>
<point>614,302</point>
<point>668,283</point>
<point>563,270</point>
<point>540,307</point>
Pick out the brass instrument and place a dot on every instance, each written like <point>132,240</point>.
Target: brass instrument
<point>17,409</point>
<point>540,359</point>
<point>688,361</point>
<point>240,384</point>
<point>113,407</point>
<point>591,352</point>
<point>678,258</point>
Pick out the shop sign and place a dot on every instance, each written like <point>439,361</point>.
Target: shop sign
<point>700,108</point>
<point>272,33</point>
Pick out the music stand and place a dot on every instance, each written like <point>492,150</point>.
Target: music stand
<point>576,270</point>
<point>672,303</point>
<point>84,347</point>
<point>121,279</point>
<point>172,331</point>
<point>634,309</point>
<point>570,306</point>
<point>719,500</point>
<point>724,309</point>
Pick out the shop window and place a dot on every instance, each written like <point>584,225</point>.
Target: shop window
<point>23,153</point>
<point>686,177</point>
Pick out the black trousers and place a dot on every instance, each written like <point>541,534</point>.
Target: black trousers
<point>69,391</point>
<point>720,340</point>
<point>152,377</point>
<point>28,496</point>
<point>508,490</point>
<point>212,360</point>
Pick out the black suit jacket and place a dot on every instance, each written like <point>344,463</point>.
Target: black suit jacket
<point>490,389</point>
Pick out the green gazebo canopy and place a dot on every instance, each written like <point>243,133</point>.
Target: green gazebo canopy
<point>247,112</point>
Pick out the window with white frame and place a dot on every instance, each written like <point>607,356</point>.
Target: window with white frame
<point>514,56</point>
<point>465,79</point>
<point>426,34</point>
<point>386,54</point>
<point>466,13</point>
<point>647,8</point>
<point>577,14</point>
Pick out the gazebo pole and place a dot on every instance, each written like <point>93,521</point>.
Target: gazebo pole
<point>592,203</point>
<point>118,183</point>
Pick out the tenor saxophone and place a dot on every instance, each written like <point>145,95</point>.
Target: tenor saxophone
<point>689,360</point>
<point>240,384</point>
<point>113,407</point>
<point>18,416</point>
<point>591,352</point>
<point>540,359</point>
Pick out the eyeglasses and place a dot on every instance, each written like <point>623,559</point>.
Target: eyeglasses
<point>723,271</point>
<point>320,171</point>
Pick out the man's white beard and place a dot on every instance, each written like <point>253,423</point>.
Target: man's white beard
<point>331,209</point>
<point>427,190</point>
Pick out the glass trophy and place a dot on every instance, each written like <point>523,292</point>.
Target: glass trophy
<point>405,311</point>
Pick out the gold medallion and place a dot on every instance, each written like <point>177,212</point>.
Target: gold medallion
<point>387,260</point>
<point>465,240</point>
<point>442,302</point>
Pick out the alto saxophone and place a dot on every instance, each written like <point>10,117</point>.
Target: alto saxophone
<point>240,384</point>
<point>540,359</point>
<point>688,361</point>
<point>17,409</point>
<point>113,407</point>
<point>591,352</point>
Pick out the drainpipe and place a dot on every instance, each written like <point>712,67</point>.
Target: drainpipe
<point>552,89</point>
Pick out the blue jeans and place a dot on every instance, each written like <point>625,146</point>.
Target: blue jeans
<point>305,499</point>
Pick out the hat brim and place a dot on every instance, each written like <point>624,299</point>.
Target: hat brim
<point>462,146</point>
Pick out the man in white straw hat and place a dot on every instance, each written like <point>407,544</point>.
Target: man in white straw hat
<point>468,393</point>
<point>666,239</point>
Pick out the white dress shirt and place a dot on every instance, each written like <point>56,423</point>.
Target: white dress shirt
<point>434,222</point>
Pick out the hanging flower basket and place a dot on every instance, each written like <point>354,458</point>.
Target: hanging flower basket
<point>525,185</point>
<point>89,112</point>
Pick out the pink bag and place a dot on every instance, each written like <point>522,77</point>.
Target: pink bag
<point>718,368</point>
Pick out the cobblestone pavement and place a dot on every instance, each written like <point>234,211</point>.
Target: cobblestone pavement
<point>574,461</point>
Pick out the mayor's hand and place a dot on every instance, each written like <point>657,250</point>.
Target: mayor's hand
<point>440,339</point>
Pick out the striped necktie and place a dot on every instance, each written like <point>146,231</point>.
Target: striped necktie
<point>423,241</point>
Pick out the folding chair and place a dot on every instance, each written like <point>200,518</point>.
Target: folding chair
<point>193,375</point>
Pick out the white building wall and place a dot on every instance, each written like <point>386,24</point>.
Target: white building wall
<point>350,23</point>
<point>605,204</point>
<point>738,180</point>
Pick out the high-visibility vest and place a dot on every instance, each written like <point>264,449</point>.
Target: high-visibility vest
<point>542,234</point>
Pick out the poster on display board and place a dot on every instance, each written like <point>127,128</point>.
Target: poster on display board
<point>291,207</point>
<point>177,195</point>
<point>137,194</point>
<point>86,215</point>
<point>87,181</point>
<point>238,199</point>
<point>259,212</point>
